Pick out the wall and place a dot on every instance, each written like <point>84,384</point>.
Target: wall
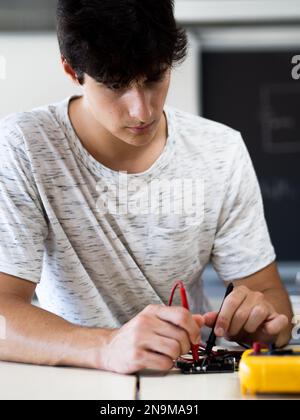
<point>33,74</point>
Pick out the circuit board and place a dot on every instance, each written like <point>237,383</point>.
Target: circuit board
<point>220,361</point>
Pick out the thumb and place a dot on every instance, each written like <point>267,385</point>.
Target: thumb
<point>199,319</point>
<point>210,318</point>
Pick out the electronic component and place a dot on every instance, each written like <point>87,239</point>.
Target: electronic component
<point>270,371</point>
<point>202,359</point>
<point>217,365</point>
<point>220,361</point>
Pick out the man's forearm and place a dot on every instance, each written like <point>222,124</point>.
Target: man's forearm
<point>38,337</point>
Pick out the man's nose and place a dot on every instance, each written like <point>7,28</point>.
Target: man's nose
<point>139,107</point>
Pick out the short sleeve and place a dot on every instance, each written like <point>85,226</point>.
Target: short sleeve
<point>242,244</point>
<point>23,225</point>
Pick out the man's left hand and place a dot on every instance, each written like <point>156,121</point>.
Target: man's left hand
<point>247,316</point>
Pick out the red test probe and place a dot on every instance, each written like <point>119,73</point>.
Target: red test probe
<point>184,301</point>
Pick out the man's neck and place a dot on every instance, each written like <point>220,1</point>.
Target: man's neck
<point>110,151</point>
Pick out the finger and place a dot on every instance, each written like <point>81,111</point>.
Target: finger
<point>179,317</point>
<point>199,320</point>
<point>210,318</point>
<point>259,314</point>
<point>243,315</point>
<point>156,361</point>
<point>165,346</point>
<point>230,306</point>
<point>276,325</point>
<point>165,329</point>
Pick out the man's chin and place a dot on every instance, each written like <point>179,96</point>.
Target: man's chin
<point>138,140</point>
<point>139,143</point>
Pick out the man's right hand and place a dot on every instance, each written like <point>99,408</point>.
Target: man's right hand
<point>152,340</point>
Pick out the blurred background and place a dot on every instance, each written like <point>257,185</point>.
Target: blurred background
<point>241,71</point>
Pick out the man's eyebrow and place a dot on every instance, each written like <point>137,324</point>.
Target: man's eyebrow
<point>111,84</point>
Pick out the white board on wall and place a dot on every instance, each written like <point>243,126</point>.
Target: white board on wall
<point>32,75</point>
<point>222,11</point>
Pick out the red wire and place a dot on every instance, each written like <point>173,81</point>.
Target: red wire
<point>194,347</point>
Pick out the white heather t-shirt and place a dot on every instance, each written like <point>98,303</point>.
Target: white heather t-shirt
<point>96,265</point>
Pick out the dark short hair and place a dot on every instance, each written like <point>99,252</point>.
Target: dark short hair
<point>119,41</point>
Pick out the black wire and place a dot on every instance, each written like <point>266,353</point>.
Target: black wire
<point>245,346</point>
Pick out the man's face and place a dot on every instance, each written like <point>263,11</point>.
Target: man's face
<point>121,111</point>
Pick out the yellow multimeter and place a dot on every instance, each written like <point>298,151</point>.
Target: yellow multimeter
<point>270,372</point>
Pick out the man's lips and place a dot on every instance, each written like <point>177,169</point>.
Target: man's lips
<point>141,129</point>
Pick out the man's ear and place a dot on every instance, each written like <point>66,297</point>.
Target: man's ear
<point>69,71</point>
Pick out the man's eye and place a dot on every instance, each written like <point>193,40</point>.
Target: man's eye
<point>115,87</point>
<point>158,79</point>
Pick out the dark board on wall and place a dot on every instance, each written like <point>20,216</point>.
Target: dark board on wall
<point>255,93</point>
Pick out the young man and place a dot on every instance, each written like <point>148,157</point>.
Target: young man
<point>102,271</point>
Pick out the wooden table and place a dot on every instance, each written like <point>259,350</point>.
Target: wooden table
<point>28,382</point>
